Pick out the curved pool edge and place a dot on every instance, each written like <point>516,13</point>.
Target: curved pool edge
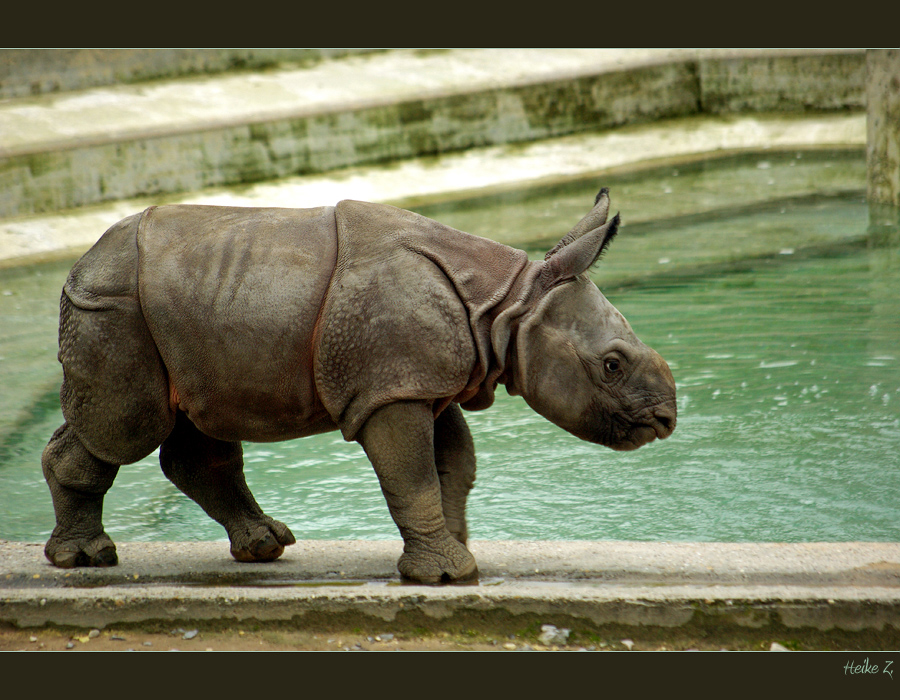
<point>483,171</point>
<point>180,135</point>
<point>848,593</point>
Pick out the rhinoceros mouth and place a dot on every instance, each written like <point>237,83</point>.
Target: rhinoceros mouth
<point>623,435</point>
<point>638,436</point>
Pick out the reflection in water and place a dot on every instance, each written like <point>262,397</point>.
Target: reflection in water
<point>787,360</point>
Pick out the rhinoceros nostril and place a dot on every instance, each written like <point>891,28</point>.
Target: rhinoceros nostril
<point>666,422</point>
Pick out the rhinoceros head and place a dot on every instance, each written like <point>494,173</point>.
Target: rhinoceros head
<point>577,361</point>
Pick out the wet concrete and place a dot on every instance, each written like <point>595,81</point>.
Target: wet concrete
<point>883,109</point>
<point>821,588</point>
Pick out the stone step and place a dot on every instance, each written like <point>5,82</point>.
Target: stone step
<point>31,72</point>
<point>68,150</point>
<point>416,181</point>
<point>819,594</point>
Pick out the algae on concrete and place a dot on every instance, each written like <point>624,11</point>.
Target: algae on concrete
<point>883,127</point>
<point>418,182</point>
<point>157,139</point>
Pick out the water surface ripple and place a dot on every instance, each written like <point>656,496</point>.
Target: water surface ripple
<point>786,356</point>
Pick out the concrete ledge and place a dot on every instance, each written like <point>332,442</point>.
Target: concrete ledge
<point>412,182</point>
<point>85,148</point>
<point>847,590</point>
<point>29,72</point>
<point>883,134</point>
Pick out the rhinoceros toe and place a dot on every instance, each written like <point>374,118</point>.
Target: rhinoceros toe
<point>453,564</point>
<point>261,542</point>
<point>100,551</point>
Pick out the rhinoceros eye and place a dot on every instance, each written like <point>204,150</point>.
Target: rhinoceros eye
<point>612,365</point>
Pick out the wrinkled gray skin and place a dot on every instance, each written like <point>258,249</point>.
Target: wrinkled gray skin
<point>197,327</point>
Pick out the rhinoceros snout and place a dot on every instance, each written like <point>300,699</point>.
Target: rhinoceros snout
<point>655,423</point>
<point>664,420</point>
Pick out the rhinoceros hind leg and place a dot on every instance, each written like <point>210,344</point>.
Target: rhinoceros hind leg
<point>78,481</point>
<point>399,441</point>
<point>454,454</point>
<point>211,472</point>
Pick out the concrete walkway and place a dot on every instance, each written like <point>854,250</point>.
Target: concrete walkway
<point>815,593</point>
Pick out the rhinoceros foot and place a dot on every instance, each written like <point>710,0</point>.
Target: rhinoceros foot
<point>453,564</point>
<point>458,529</point>
<point>260,541</point>
<point>67,554</point>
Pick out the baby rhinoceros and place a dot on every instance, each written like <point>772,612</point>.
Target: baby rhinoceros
<point>196,327</point>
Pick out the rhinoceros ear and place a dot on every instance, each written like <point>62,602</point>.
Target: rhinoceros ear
<point>576,257</point>
<point>595,217</point>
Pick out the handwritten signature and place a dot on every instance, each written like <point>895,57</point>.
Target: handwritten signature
<point>866,668</point>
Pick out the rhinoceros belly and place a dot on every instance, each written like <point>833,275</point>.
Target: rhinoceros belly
<point>231,296</point>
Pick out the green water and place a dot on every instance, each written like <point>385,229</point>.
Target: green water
<point>781,323</point>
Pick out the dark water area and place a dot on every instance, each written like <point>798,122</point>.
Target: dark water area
<point>780,321</point>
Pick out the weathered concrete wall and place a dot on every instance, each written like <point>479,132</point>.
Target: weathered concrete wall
<point>796,83</point>
<point>883,135</point>
<point>39,71</point>
<point>53,176</point>
<point>67,177</point>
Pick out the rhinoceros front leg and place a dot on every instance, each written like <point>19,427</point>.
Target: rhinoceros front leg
<point>399,441</point>
<point>211,472</point>
<point>454,454</point>
<point>78,481</point>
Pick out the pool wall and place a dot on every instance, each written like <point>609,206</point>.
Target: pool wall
<point>67,150</point>
<point>883,129</point>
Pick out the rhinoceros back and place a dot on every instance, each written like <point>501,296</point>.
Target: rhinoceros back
<point>232,296</point>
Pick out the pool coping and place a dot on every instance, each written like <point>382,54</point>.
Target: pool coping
<point>416,181</point>
<point>848,590</point>
<point>504,93</point>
